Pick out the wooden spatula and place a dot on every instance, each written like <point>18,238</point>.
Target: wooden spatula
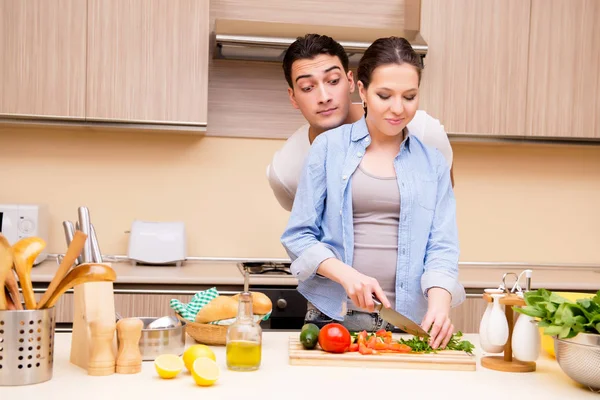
<point>81,274</point>
<point>6,263</point>
<point>73,252</point>
<point>25,251</point>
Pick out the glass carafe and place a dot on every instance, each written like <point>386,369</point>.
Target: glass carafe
<point>244,338</point>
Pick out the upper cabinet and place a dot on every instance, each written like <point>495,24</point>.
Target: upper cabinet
<point>142,62</point>
<point>402,14</point>
<point>475,75</point>
<point>42,58</point>
<point>148,61</point>
<point>563,98</point>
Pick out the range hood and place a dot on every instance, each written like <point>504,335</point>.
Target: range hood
<point>267,41</point>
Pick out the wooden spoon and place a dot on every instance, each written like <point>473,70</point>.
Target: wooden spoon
<point>81,274</point>
<point>25,251</point>
<point>73,252</point>
<point>13,289</point>
<point>10,305</point>
<point>10,282</point>
<point>6,263</point>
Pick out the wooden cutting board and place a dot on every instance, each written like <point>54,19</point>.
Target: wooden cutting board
<point>442,360</point>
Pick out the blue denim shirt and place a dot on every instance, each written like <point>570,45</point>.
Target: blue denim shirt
<point>321,224</point>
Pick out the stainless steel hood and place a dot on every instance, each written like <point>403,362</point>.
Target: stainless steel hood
<point>267,41</point>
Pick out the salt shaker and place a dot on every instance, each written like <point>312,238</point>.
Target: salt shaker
<point>129,357</point>
<point>102,358</point>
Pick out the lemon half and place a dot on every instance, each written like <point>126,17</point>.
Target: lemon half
<point>205,371</point>
<point>168,366</point>
<point>196,351</point>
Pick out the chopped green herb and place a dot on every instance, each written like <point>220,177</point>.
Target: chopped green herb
<point>420,345</point>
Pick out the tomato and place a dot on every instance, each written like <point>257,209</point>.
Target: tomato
<point>353,347</point>
<point>362,337</point>
<point>362,349</point>
<point>334,338</point>
<point>381,346</point>
<point>371,342</point>
<point>399,347</point>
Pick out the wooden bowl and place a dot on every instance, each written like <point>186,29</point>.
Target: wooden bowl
<point>205,333</point>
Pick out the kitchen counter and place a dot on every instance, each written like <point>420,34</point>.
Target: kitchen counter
<point>228,273</point>
<point>277,379</point>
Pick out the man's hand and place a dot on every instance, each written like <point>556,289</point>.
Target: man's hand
<point>437,318</point>
<point>360,288</point>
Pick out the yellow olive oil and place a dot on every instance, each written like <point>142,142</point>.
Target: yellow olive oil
<point>243,355</point>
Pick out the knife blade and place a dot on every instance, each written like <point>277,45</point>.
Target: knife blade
<point>96,253</point>
<point>399,320</point>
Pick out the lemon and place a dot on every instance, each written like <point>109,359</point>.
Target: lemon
<point>205,371</point>
<point>168,366</point>
<point>196,351</point>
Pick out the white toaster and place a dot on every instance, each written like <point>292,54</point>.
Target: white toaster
<point>157,243</point>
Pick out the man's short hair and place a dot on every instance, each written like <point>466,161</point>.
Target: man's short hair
<point>308,47</point>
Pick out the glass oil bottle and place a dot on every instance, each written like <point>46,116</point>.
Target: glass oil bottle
<point>244,336</point>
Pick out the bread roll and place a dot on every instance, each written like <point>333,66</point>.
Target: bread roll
<point>261,303</point>
<point>221,307</point>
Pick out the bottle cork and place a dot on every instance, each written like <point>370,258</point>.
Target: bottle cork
<point>129,357</point>
<point>102,358</point>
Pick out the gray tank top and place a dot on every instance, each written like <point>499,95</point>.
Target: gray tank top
<point>376,211</point>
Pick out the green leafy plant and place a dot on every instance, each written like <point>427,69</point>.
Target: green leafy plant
<point>561,317</point>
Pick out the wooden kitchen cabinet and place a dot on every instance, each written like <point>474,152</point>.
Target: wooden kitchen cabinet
<point>148,61</point>
<point>126,304</point>
<point>563,87</point>
<point>475,75</point>
<point>468,315</point>
<point>43,58</point>
<point>358,13</point>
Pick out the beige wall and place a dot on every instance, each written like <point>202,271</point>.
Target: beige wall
<point>515,202</point>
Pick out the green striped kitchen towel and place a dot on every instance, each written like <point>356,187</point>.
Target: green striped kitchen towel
<point>200,299</point>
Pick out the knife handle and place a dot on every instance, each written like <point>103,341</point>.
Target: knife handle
<point>84,225</point>
<point>378,305</point>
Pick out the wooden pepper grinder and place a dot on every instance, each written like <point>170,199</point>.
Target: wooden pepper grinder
<point>129,357</point>
<point>102,357</point>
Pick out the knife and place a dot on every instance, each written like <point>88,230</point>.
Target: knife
<point>96,253</point>
<point>399,320</point>
<point>84,225</point>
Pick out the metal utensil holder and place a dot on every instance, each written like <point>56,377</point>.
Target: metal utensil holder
<point>26,346</point>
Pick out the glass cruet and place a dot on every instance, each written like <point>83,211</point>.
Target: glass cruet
<point>244,336</point>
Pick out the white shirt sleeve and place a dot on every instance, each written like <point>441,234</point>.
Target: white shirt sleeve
<point>432,133</point>
<point>281,192</point>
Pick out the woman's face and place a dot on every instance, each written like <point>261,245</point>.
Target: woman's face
<point>392,97</point>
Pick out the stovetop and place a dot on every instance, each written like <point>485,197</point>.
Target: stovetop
<point>265,269</point>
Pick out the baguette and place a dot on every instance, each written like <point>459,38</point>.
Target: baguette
<point>221,307</point>
<point>261,303</point>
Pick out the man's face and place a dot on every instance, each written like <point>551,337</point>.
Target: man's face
<point>321,91</point>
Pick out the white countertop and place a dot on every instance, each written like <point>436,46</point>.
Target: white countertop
<point>228,273</point>
<point>276,379</point>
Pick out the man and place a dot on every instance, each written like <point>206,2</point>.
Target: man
<point>320,86</point>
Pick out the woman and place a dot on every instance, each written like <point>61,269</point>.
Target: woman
<point>374,214</point>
